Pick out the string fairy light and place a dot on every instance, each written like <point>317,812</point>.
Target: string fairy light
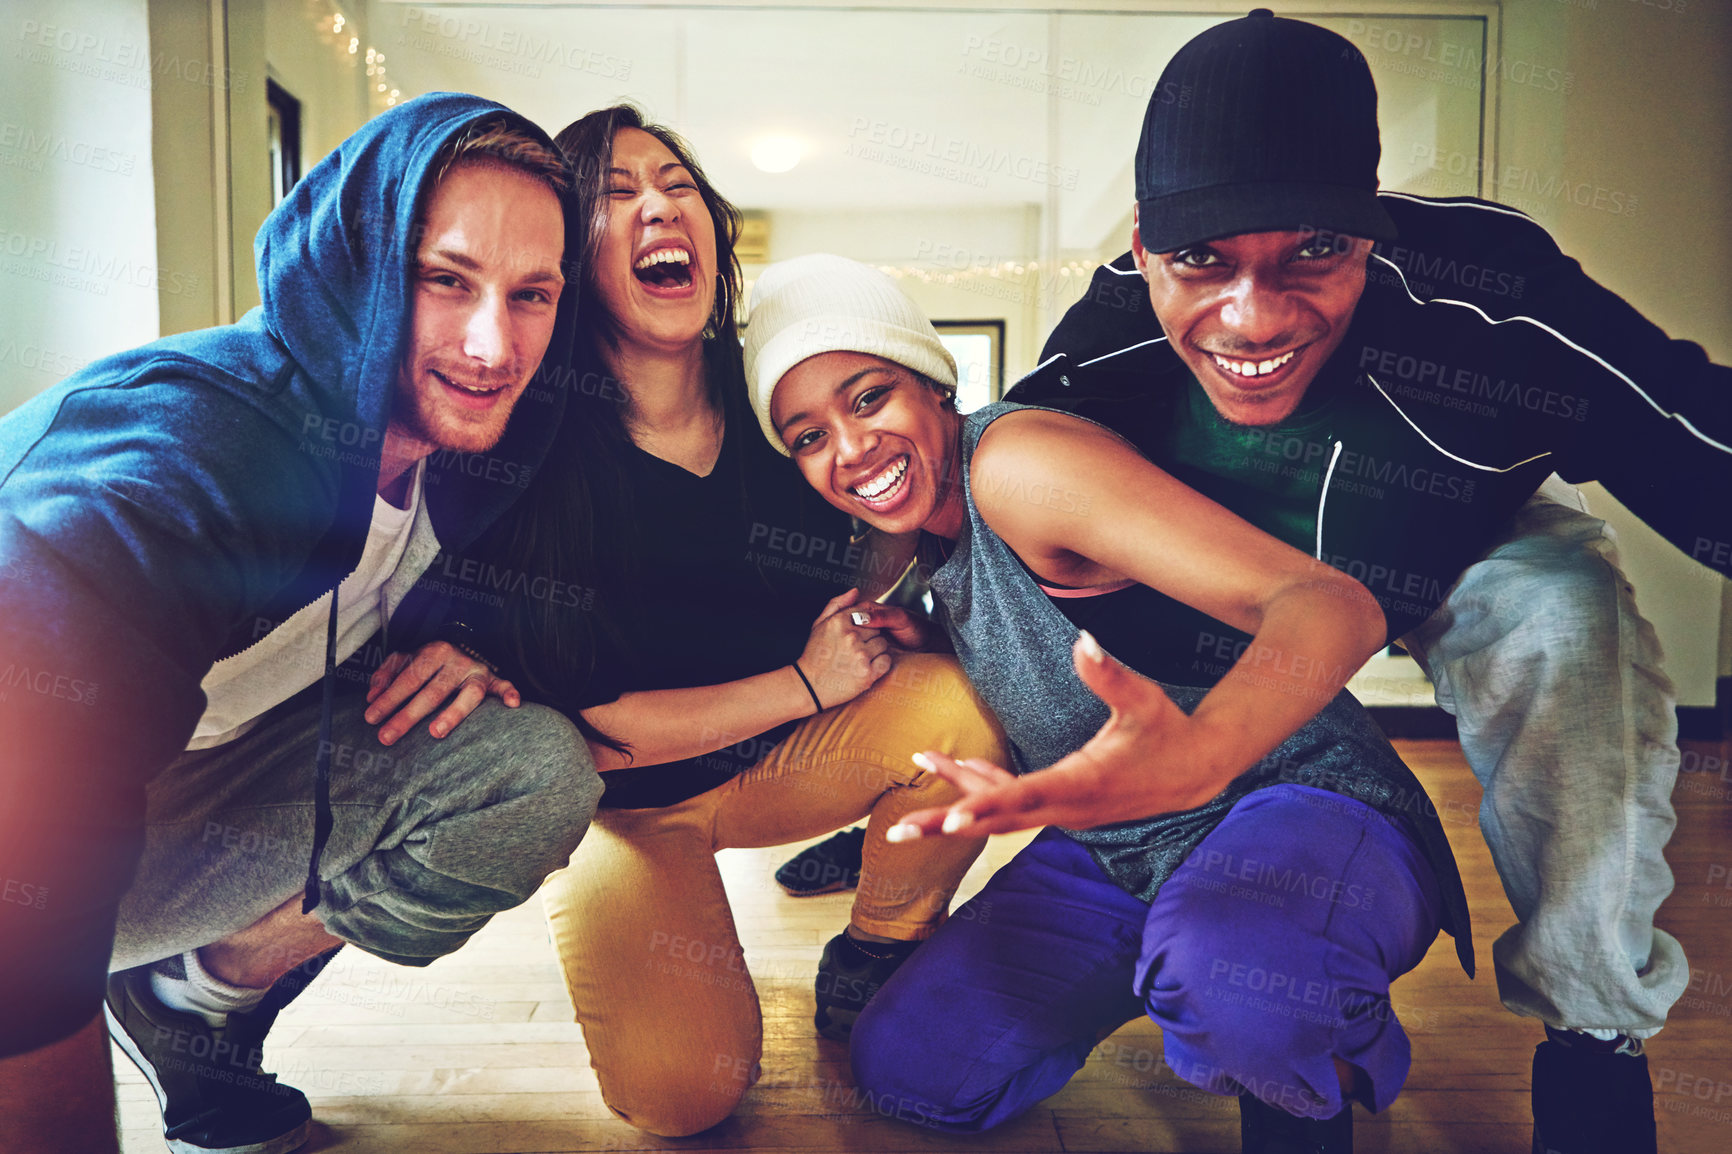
<point>1002,270</point>
<point>374,59</point>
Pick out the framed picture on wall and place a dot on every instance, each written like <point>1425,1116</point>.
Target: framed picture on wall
<point>978,347</point>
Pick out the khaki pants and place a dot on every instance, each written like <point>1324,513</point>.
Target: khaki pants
<point>642,925</point>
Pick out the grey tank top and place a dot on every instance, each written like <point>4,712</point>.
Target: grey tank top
<point>1016,648</point>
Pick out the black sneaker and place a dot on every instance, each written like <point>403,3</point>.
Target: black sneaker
<point>1592,1096</point>
<point>213,1096</point>
<point>849,974</point>
<point>1266,1129</point>
<point>831,866</point>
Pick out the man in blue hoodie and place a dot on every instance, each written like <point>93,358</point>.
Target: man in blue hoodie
<point>196,539</point>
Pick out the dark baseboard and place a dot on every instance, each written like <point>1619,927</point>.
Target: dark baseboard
<point>1701,723</point>
<point>1414,722</point>
<point>1428,722</point>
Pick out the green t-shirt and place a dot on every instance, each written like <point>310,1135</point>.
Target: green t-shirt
<point>1269,475</point>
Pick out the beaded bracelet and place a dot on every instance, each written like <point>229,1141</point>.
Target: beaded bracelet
<point>492,669</point>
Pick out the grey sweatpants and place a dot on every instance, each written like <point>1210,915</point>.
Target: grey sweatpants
<point>430,837</point>
<point>1568,721</point>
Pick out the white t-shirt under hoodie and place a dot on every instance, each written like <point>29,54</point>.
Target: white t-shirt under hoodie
<point>242,688</point>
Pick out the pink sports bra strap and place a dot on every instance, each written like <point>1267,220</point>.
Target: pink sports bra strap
<point>1086,590</point>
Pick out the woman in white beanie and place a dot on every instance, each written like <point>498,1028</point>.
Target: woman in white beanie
<point>686,599</point>
<point>1224,784</point>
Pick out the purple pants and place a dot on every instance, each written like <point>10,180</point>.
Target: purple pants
<point>1264,958</point>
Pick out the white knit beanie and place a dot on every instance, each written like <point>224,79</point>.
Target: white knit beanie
<point>825,304</point>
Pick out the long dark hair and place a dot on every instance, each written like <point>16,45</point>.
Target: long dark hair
<point>587,144</point>
<point>575,520</point>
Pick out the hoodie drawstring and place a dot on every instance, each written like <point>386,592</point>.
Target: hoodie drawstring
<point>322,765</point>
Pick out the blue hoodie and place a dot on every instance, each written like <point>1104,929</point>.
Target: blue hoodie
<point>165,507</point>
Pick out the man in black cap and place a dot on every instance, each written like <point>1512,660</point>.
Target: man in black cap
<point>1263,342</point>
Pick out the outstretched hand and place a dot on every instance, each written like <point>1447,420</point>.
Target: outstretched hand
<point>1145,760</point>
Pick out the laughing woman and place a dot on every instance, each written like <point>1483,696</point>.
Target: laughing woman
<point>1041,523</point>
<point>691,604</point>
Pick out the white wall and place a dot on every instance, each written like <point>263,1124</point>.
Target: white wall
<point>78,264</point>
<point>206,108</point>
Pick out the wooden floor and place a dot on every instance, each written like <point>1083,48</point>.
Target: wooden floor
<point>478,1053</point>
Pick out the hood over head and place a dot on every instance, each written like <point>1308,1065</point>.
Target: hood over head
<point>334,268</point>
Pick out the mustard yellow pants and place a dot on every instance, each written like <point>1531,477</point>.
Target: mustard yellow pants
<point>642,926</point>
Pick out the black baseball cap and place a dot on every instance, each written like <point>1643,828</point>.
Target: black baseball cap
<point>1260,124</point>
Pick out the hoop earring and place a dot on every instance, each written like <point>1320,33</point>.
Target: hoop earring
<point>713,327</point>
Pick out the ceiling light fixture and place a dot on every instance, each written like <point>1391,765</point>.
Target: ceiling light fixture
<point>776,153</point>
